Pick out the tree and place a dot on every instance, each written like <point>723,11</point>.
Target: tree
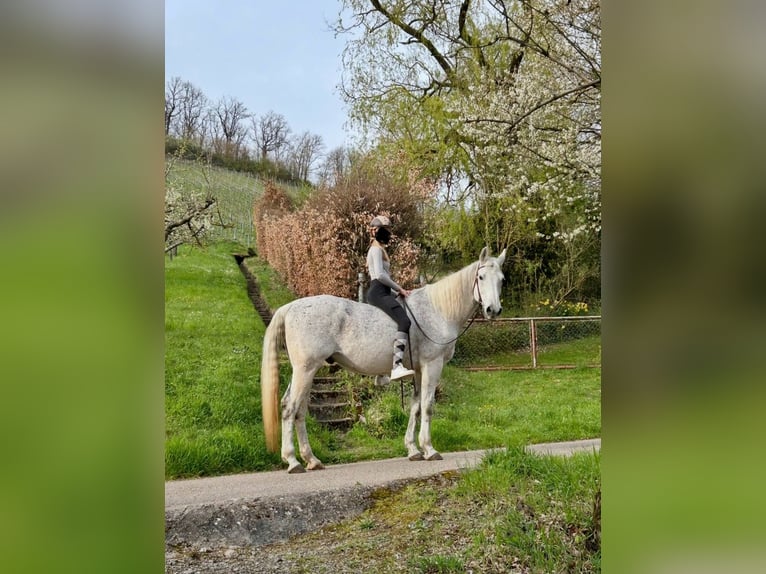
<point>173,97</point>
<point>188,214</point>
<point>193,107</point>
<point>231,114</point>
<point>209,131</point>
<point>185,106</point>
<point>187,218</point>
<point>270,134</point>
<point>335,165</point>
<point>305,150</point>
<point>498,100</point>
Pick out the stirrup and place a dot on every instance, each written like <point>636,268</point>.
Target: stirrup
<point>400,371</point>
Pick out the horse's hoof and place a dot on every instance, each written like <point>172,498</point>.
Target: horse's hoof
<point>297,468</point>
<point>416,456</point>
<point>435,456</point>
<point>315,465</point>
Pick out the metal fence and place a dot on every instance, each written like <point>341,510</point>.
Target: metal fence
<point>530,343</point>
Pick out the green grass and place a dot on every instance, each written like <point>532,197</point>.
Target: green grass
<point>516,512</point>
<point>438,564</point>
<point>213,343</point>
<point>548,522</point>
<point>507,407</point>
<point>212,362</point>
<point>578,352</point>
<point>480,410</point>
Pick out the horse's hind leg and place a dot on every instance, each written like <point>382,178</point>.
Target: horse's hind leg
<point>312,462</point>
<point>297,394</point>
<point>413,453</point>
<point>288,422</point>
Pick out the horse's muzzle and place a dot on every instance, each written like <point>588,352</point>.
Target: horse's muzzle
<point>490,313</point>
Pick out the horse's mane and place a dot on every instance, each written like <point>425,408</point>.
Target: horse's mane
<point>448,295</point>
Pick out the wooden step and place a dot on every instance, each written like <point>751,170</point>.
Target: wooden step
<point>336,423</point>
<point>331,392</point>
<point>329,406</point>
<point>330,403</point>
<point>325,380</point>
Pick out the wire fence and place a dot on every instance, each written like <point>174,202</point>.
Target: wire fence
<point>530,343</point>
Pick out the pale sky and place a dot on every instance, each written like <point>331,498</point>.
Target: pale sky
<point>269,55</point>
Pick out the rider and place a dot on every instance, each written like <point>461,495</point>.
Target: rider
<point>382,291</point>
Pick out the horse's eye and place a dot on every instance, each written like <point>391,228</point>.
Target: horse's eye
<point>481,277</point>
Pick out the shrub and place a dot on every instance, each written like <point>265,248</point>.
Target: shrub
<point>321,247</point>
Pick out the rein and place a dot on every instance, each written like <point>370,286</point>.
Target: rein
<point>415,319</point>
<point>426,334</point>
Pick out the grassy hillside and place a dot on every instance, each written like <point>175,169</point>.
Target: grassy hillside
<point>213,350</point>
<point>234,192</point>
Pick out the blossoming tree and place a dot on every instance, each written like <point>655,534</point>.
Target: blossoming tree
<point>499,101</point>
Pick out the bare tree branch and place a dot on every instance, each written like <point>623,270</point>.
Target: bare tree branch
<point>418,36</point>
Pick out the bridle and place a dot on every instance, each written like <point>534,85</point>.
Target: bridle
<point>476,285</point>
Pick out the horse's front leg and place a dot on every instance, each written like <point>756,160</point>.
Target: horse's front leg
<point>413,452</point>
<point>431,374</point>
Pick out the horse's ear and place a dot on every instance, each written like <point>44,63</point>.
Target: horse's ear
<point>501,259</point>
<point>483,255</point>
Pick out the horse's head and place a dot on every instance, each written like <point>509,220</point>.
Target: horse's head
<point>489,283</point>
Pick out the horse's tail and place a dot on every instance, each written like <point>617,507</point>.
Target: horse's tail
<point>274,337</point>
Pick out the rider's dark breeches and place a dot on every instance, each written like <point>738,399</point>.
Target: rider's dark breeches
<point>382,297</point>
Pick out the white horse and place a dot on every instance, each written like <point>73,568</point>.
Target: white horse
<point>357,336</point>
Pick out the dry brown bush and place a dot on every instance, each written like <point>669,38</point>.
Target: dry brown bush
<point>323,246</point>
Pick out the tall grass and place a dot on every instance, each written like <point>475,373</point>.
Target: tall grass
<point>546,517</point>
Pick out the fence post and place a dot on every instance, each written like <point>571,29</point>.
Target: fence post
<point>533,342</point>
<point>360,279</point>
